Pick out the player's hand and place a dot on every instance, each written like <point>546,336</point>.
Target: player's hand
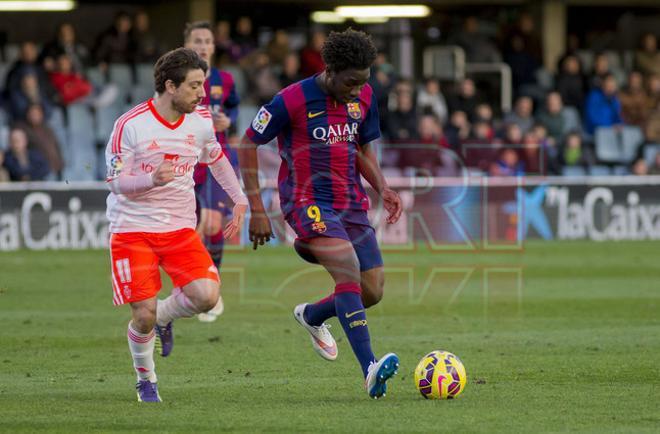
<point>236,222</point>
<point>164,173</point>
<point>392,203</point>
<point>260,230</point>
<point>221,122</point>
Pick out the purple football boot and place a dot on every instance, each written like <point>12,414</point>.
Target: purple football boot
<point>164,339</point>
<point>147,391</point>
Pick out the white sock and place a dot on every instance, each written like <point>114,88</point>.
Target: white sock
<point>142,350</point>
<point>175,306</point>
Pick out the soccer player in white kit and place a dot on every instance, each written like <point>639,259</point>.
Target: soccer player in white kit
<point>151,208</point>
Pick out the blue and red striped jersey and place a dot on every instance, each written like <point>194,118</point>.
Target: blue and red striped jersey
<point>318,140</point>
<point>221,96</point>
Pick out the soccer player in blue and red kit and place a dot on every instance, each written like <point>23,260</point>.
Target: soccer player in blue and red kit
<point>222,101</point>
<point>324,125</point>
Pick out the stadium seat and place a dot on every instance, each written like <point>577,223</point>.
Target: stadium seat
<point>608,145</point>
<point>573,171</point>
<point>4,68</point>
<point>572,121</point>
<point>621,170</point>
<point>122,76</point>
<point>12,52</point>
<point>82,156</point>
<point>650,152</point>
<point>140,93</point>
<point>586,59</point>
<point>599,171</point>
<point>96,76</point>
<point>545,79</point>
<point>144,73</point>
<point>57,123</point>
<point>105,119</point>
<point>631,138</point>
<point>4,137</point>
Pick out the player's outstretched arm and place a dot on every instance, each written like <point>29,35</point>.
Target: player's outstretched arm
<point>223,173</point>
<point>260,229</point>
<point>369,168</point>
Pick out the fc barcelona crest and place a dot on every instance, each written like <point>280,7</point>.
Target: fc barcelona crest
<point>216,92</point>
<point>353,109</point>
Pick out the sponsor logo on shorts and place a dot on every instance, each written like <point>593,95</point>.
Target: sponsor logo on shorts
<point>319,227</point>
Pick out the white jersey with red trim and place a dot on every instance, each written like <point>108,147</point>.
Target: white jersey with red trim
<point>140,141</point>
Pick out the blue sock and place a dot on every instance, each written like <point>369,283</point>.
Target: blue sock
<point>353,318</point>
<point>316,314</point>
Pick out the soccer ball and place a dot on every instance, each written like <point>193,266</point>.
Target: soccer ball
<point>440,375</point>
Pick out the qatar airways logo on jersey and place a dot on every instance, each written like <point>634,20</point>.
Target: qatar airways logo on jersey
<point>179,169</point>
<point>337,133</point>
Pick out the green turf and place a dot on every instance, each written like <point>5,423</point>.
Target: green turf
<point>559,337</point>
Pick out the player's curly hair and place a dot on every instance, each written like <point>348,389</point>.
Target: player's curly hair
<point>350,49</point>
<point>174,65</point>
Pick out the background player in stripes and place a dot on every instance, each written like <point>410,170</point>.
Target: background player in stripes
<point>222,101</point>
<point>324,126</point>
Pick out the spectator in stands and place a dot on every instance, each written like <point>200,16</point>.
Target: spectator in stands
<point>458,130</point>
<point>647,59</point>
<point>513,134</point>
<point>27,93</point>
<point>507,164</point>
<point>244,41</point>
<point>290,70</point>
<point>4,173</point>
<point>310,56</point>
<point>27,64</point>
<point>533,157</point>
<point>223,42</point>
<point>574,153</point>
<point>478,47</point>
<point>64,42</point>
<point>466,99</point>
<point>402,121</point>
<point>655,167</point>
<point>653,90</point>
<point>115,45</point>
<point>570,82</point>
<point>522,114</point>
<point>145,43</point>
<point>42,138</point>
<point>603,108</point>
<point>550,151</point>
<point>523,64</point>
<point>634,100</point>
<point>484,113</point>
<point>70,85</point>
<point>381,80</point>
<point>264,82</point>
<point>640,168</point>
<point>652,126</point>
<point>278,47</point>
<point>601,70</point>
<point>431,101</point>
<point>424,156</point>
<point>551,117</point>
<point>482,132</point>
<point>24,164</point>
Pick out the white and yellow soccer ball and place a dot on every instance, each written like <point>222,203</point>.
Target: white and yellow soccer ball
<point>440,375</point>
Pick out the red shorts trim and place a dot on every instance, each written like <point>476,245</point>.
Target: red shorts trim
<point>136,257</point>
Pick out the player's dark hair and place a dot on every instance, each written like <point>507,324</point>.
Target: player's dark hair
<point>350,49</point>
<point>194,26</point>
<point>174,65</point>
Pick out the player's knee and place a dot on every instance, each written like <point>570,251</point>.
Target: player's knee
<point>144,319</point>
<point>210,296</point>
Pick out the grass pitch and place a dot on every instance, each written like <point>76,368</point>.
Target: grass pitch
<point>559,337</point>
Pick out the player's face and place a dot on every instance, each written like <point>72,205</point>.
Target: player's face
<point>345,86</point>
<point>189,93</point>
<point>201,42</point>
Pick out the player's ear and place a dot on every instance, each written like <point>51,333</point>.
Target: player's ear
<point>170,87</point>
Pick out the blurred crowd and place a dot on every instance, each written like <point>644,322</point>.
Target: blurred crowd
<point>429,125</point>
